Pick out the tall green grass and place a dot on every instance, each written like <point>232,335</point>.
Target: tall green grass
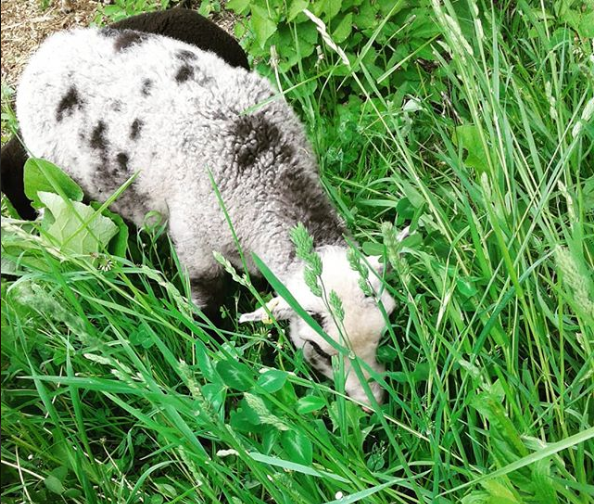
<point>114,390</point>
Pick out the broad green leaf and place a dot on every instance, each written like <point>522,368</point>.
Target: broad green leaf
<point>243,420</point>
<point>74,227</point>
<point>41,175</point>
<point>297,446</point>
<point>72,493</point>
<point>499,491</point>
<point>310,403</point>
<point>53,484</point>
<point>308,34</point>
<point>235,375</point>
<point>468,138</point>
<point>215,395</point>
<point>119,243</point>
<point>238,6</point>
<point>371,248</point>
<point>415,198</point>
<point>295,8</point>
<point>366,18</point>
<point>330,8</point>
<point>541,475</point>
<point>272,380</point>
<point>466,287</point>
<point>204,361</point>
<point>343,29</point>
<point>263,25</point>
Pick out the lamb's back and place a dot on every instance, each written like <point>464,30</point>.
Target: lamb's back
<point>104,104</point>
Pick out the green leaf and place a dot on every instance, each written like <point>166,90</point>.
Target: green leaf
<point>238,6</point>
<point>119,243</point>
<point>468,138</point>
<point>272,380</point>
<point>75,227</point>
<point>235,375</point>
<point>343,29</point>
<point>296,7</point>
<point>466,287</point>
<point>541,475</point>
<point>204,361</point>
<point>41,175</point>
<point>500,491</point>
<point>366,17</point>
<point>421,372</point>
<point>72,493</point>
<point>54,485</point>
<point>262,24</point>
<point>60,473</point>
<point>330,8</point>
<point>244,420</point>
<point>215,395</point>
<point>386,6</point>
<point>310,403</point>
<point>308,34</point>
<point>297,446</point>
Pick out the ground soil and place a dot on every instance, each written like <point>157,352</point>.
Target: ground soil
<point>25,24</point>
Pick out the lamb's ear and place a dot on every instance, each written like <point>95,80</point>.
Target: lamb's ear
<point>278,307</point>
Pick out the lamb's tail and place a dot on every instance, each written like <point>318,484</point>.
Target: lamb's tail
<point>13,158</point>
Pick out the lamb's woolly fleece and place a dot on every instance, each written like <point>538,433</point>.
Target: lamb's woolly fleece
<point>104,104</point>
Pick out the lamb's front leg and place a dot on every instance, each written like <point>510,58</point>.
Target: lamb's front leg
<point>209,288</point>
<point>207,277</point>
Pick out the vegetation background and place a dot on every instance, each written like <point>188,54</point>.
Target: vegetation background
<point>471,121</point>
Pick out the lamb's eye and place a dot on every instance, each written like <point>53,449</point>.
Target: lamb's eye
<point>319,350</point>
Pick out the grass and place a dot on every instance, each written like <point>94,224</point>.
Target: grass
<point>113,390</point>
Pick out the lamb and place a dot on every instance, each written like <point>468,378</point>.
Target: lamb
<point>105,104</point>
<point>181,24</point>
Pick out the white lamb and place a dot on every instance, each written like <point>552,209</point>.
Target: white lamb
<point>104,104</point>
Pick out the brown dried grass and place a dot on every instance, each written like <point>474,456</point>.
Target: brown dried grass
<point>25,25</point>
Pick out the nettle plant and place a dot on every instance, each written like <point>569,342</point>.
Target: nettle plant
<point>386,36</point>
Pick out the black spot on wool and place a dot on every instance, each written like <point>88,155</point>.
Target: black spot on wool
<point>135,129</point>
<point>122,160</point>
<point>68,102</point>
<point>128,38</point>
<point>98,140</point>
<point>303,200</point>
<point>184,73</point>
<point>186,55</point>
<point>146,87</point>
<point>254,135</point>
